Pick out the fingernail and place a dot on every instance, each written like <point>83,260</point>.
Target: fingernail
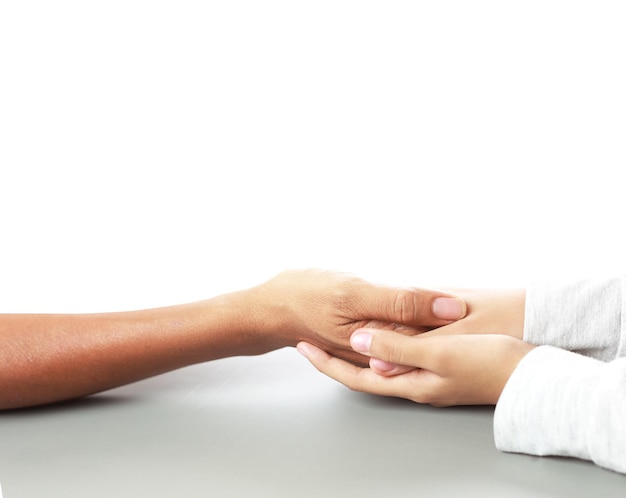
<point>381,365</point>
<point>449,308</point>
<point>361,342</point>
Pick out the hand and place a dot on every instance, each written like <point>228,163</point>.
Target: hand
<point>488,312</point>
<point>448,369</point>
<point>325,308</point>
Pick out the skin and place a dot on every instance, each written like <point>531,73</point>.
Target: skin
<point>488,312</point>
<point>467,362</point>
<point>49,358</point>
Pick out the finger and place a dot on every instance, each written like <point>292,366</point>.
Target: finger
<point>387,369</point>
<point>411,307</point>
<point>398,349</point>
<point>402,329</point>
<point>348,355</point>
<point>357,379</point>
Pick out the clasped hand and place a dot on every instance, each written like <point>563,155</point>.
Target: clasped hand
<point>466,362</point>
<point>324,308</point>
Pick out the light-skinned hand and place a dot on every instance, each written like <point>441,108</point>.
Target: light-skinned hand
<point>446,369</point>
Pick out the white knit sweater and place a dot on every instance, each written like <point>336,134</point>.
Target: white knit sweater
<point>568,396</point>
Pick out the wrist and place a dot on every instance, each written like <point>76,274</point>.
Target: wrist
<point>264,316</point>
<point>512,357</point>
<point>240,320</point>
<point>496,312</point>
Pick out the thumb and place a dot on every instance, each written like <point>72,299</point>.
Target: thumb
<point>412,307</point>
<point>397,349</point>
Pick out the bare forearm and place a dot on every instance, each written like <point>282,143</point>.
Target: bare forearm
<point>46,358</point>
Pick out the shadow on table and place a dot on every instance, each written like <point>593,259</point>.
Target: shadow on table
<point>97,401</point>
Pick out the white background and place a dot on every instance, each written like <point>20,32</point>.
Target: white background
<point>155,152</point>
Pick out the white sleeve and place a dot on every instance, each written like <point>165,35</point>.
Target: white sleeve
<point>558,402</point>
<point>562,403</point>
<point>583,316</point>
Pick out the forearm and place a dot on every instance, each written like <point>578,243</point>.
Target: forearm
<point>47,358</point>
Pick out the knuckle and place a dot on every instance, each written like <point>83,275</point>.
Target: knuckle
<point>406,306</point>
<point>433,392</point>
<point>396,353</point>
<point>424,397</point>
<point>388,346</point>
<point>343,296</point>
<point>354,384</point>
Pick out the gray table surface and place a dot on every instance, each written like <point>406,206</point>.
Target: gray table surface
<point>270,426</point>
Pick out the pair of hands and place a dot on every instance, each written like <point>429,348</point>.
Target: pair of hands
<point>426,346</point>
